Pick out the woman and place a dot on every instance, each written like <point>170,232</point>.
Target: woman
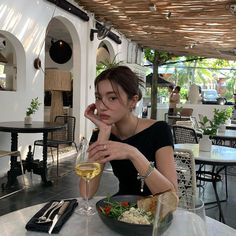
<point>129,143</point>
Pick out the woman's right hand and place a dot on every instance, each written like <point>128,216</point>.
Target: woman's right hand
<point>104,129</point>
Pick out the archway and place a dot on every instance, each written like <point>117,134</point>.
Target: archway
<point>58,68</point>
<point>11,69</point>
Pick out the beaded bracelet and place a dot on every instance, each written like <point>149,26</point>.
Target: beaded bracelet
<point>148,173</point>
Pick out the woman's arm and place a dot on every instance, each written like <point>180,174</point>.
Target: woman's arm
<point>161,179</point>
<point>104,134</point>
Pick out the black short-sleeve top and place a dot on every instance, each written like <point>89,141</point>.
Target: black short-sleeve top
<point>147,141</point>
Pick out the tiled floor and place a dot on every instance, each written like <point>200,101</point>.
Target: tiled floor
<point>66,186</point>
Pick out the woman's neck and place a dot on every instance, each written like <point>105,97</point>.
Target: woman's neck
<point>126,127</point>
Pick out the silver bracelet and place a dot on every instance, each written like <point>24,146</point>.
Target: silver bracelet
<point>148,173</point>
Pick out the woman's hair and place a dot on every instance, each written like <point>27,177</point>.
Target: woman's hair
<point>124,77</point>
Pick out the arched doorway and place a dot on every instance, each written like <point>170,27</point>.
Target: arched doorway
<point>58,98</point>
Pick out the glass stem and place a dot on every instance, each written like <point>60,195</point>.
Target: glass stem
<point>87,193</point>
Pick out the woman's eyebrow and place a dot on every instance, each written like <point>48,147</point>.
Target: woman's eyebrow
<point>107,93</point>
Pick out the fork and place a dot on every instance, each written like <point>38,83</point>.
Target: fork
<point>48,219</point>
<point>43,217</point>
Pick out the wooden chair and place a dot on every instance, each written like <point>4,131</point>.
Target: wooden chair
<point>185,168</point>
<point>3,154</point>
<point>65,136</point>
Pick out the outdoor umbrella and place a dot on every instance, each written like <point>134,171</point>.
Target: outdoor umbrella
<point>160,82</point>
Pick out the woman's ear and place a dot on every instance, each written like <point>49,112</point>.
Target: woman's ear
<point>134,101</point>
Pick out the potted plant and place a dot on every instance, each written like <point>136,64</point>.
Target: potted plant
<point>210,127</point>
<point>33,107</point>
<point>221,117</point>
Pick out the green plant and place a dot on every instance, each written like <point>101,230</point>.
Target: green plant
<point>34,106</point>
<point>209,127</point>
<point>107,64</point>
<point>220,116</point>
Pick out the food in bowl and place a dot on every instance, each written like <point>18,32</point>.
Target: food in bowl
<point>137,216</point>
<point>109,209</point>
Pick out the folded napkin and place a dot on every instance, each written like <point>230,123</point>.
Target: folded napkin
<point>32,224</point>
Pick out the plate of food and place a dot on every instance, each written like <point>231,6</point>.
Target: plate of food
<point>132,215</point>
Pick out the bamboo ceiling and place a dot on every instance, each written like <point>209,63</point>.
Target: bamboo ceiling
<point>183,27</point>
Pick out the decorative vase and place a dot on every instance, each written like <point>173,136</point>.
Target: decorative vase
<point>28,120</point>
<point>228,121</point>
<point>221,128</point>
<point>205,143</point>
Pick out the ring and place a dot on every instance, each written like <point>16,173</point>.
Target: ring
<point>105,147</point>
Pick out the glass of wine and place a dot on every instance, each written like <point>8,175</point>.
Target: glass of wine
<point>87,171</point>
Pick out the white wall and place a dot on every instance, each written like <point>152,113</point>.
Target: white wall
<point>24,23</point>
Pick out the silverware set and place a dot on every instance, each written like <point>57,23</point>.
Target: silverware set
<point>46,216</point>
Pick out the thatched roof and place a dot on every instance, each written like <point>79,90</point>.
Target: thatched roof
<point>183,27</point>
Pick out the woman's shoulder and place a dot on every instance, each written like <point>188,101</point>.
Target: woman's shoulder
<point>151,124</point>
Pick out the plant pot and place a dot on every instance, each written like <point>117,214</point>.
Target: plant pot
<point>228,121</point>
<point>28,120</point>
<point>221,128</point>
<point>205,144</point>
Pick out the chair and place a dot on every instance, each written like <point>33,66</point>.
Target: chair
<point>4,153</point>
<point>185,168</point>
<point>182,134</point>
<point>63,136</point>
<point>186,112</point>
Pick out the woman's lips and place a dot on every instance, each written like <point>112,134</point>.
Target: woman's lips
<point>104,117</point>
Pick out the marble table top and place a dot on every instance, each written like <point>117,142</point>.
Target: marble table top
<point>14,224</point>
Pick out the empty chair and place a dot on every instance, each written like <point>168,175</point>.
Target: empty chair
<point>186,112</point>
<point>4,153</point>
<point>185,168</point>
<point>183,134</point>
<point>64,136</point>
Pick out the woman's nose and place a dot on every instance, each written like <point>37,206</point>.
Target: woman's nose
<point>101,105</point>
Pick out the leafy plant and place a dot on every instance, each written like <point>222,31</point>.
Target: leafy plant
<point>107,64</point>
<point>220,117</point>
<point>34,106</point>
<point>209,127</point>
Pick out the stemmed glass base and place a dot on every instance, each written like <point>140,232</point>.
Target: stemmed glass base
<point>85,208</point>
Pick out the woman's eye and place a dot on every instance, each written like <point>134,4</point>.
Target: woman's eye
<point>97,98</point>
<point>112,98</point>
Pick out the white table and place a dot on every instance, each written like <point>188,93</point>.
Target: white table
<point>228,135</point>
<point>219,156</point>
<point>231,126</point>
<point>14,224</point>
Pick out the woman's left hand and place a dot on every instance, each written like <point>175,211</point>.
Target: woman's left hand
<point>103,152</point>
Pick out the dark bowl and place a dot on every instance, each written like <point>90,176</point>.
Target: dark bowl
<point>128,228</point>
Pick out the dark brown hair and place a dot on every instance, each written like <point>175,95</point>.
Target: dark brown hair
<point>123,76</point>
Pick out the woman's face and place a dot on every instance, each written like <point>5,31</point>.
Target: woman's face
<point>111,105</point>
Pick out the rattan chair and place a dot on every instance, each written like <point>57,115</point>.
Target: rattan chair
<point>3,154</point>
<point>185,168</point>
<point>65,136</point>
<point>182,134</point>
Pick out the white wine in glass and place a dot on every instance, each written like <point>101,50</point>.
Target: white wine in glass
<point>87,171</point>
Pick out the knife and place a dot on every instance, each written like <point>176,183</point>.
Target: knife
<point>58,215</point>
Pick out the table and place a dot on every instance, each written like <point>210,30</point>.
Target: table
<point>93,226</point>
<point>219,156</point>
<point>15,127</point>
<point>171,119</point>
<point>227,135</point>
<point>231,126</point>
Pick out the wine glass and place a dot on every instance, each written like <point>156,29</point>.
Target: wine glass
<point>193,217</point>
<point>87,171</point>
<point>188,218</point>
